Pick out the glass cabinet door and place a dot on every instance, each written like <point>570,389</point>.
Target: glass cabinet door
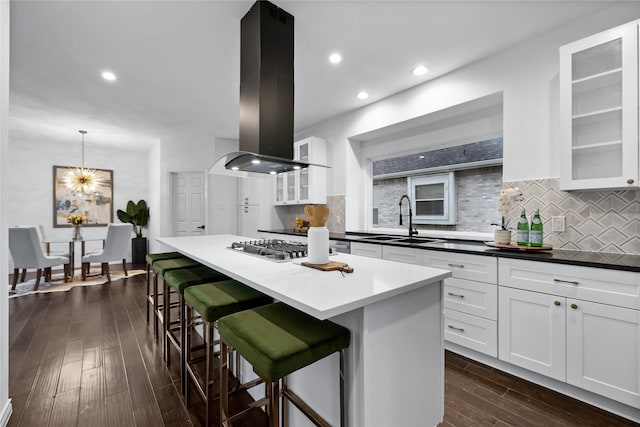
<point>280,178</point>
<point>599,110</point>
<point>303,174</point>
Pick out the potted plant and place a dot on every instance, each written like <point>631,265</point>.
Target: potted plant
<point>138,215</point>
<point>507,200</point>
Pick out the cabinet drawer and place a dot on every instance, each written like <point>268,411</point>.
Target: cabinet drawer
<point>472,332</point>
<point>464,266</point>
<point>366,249</point>
<point>408,255</point>
<point>614,287</point>
<point>477,298</point>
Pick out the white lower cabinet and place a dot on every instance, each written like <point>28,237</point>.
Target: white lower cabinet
<point>400,254</point>
<point>473,332</point>
<point>532,331</point>
<point>603,348</point>
<point>569,330</point>
<point>371,250</point>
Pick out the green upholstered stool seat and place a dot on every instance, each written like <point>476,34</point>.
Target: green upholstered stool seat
<point>278,340</point>
<point>161,267</point>
<point>151,258</point>
<point>181,278</point>
<point>215,300</point>
<point>152,290</point>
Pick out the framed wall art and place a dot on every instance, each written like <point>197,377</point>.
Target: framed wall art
<point>94,201</point>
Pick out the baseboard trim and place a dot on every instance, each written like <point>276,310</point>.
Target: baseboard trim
<point>6,413</point>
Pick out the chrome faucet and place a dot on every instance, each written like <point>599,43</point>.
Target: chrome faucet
<point>412,231</point>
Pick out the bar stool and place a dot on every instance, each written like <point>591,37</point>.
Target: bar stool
<point>160,268</point>
<point>151,258</point>
<point>212,301</point>
<point>175,282</point>
<point>278,340</point>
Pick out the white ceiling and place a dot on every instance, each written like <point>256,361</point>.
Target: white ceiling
<point>177,62</point>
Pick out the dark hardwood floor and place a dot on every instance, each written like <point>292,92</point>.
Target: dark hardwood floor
<point>87,358</point>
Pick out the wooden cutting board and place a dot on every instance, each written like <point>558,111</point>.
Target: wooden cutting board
<point>330,266</point>
<point>513,247</point>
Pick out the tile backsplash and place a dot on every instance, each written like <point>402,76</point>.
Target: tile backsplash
<point>595,221</point>
<point>335,222</point>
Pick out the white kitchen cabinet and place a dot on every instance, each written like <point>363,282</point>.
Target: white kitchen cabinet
<point>603,348</point>
<point>248,206</point>
<point>576,324</point>
<point>371,250</point>
<point>532,331</point>
<point>304,186</point>
<point>402,254</point>
<point>470,299</point>
<point>599,110</point>
<point>248,221</point>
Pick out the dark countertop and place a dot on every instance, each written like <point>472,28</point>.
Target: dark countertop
<point>559,256</point>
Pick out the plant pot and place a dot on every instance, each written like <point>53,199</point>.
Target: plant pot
<point>502,237</point>
<point>138,250</point>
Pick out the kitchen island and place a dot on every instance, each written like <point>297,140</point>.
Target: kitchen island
<point>395,363</point>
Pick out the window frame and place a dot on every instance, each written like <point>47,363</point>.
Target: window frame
<point>449,203</point>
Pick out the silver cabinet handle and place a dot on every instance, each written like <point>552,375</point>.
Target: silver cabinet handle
<point>571,282</point>
<point>456,265</point>
<point>456,328</point>
<point>451,294</point>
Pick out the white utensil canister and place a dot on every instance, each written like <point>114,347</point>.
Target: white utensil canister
<point>318,245</point>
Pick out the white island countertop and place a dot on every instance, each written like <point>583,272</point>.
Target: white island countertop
<point>322,294</point>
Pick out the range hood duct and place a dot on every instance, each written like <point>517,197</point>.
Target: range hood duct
<point>266,92</point>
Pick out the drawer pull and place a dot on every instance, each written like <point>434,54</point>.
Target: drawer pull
<point>456,328</point>
<point>574,306</point>
<point>557,303</point>
<point>571,282</point>
<point>451,294</point>
<point>456,265</point>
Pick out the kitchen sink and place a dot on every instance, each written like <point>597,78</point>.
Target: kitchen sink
<point>380,238</point>
<point>417,240</point>
<point>399,239</point>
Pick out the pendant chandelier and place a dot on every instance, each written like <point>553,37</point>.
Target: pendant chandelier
<point>82,180</point>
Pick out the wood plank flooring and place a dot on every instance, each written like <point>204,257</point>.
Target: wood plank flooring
<point>87,358</point>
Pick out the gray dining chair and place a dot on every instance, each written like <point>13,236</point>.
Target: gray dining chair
<point>26,252</point>
<point>115,248</point>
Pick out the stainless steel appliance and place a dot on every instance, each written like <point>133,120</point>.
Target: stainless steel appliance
<point>272,249</point>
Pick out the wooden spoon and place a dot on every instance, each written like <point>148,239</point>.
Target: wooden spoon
<point>316,214</point>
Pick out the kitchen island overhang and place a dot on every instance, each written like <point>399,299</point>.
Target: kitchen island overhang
<point>395,364</point>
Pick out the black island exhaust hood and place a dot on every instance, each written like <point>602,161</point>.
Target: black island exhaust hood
<point>266,92</point>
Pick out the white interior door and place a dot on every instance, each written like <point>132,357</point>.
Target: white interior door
<point>188,201</point>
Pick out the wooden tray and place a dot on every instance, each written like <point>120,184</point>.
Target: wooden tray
<point>514,247</point>
<point>330,266</point>
<point>300,229</point>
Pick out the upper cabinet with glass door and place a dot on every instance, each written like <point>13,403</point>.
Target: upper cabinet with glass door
<point>599,110</point>
<point>304,186</point>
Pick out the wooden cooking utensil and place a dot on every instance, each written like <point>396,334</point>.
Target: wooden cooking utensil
<point>316,214</point>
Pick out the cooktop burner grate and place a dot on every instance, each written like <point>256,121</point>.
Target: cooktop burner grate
<point>273,249</point>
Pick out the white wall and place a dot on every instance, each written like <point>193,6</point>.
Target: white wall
<point>526,74</point>
<point>5,403</point>
<point>30,178</point>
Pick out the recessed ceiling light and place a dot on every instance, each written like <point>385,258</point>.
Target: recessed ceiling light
<point>235,168</point>
<point>255,161</point>
<point>335,58</point>
<point>109,76</point>
<point>420,70</point>
<point>362,95</point>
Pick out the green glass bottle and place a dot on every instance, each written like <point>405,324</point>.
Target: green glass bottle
<point>522,236</point>
<point>535,236</point>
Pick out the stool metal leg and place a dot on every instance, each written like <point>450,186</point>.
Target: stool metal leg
<point>273,404</point>
<point>343,414</point>
<point>188,321</point>
<point>148,289</point>
<point>183,356</point>
<point>224,385</point>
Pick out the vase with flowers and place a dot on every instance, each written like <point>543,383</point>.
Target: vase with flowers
<point>76,221</point>
<point>507,200</point>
